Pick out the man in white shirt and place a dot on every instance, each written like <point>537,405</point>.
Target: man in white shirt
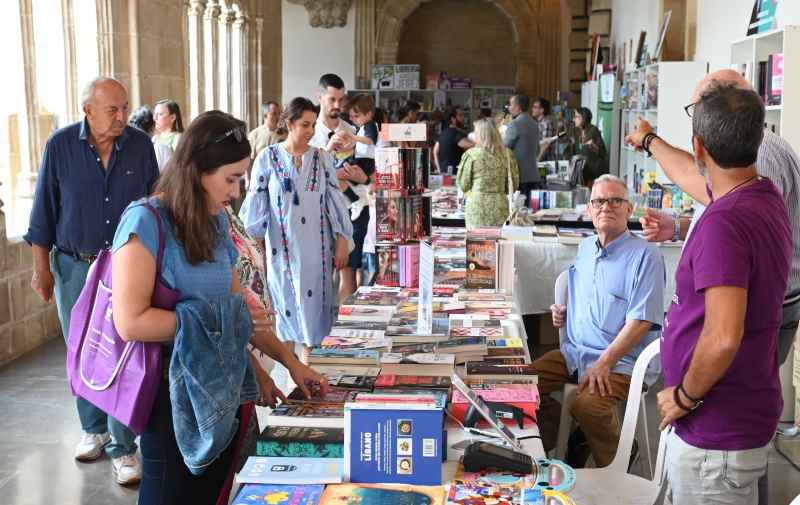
<point>336,136</point>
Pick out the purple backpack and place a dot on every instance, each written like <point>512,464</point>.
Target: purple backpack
<point>120,378</point>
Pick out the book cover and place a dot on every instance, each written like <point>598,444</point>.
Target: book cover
<point>414,348</point>
<point>775,63</point>
<point>389,358</point>
<point>488,487</point>
<point>490,370</point>
<point>278,494</point>
<point>393,445</point>
<point>388,168</point>
<point>343,356</point>
<point>334,395</point>
<point>332,342</point>
<point>373,313</point>
<point>388,214</point>
<point>388,265</point>
<point>463,345</point>
<point>412,382</point>
<point>524,396</point>
<point>323,415</point>
<point>485,332</point>
<point>481,263</point>
<point>382,494</point>
<point>271,470</point>
<point>300,442</point>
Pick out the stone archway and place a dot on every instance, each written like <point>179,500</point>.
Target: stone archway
<point>535,25</point>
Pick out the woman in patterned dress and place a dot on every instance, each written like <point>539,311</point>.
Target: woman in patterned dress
<point>483,175</point>
<point>295,205</point>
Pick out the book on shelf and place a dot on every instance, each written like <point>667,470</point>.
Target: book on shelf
<point>391,438</point>
<point>309,415</point>
<point>398,168</point>
<point>274,470</point>
<point>392,381</point>
<point>481,262</point>
<point>300,442</point>
<point>334,395</point>
<point>370,313</point>
<point>417,364</point>
<point>399,494</point>
<point>322,356</point>
<point>488,370</point>
<point>775,79</point>
<point>388,265</point>
<point>524,396</point>
<point>278,494</point>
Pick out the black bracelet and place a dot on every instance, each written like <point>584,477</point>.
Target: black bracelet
<point>647,140</point>
<point>678,402</point>
<point>683,390</point>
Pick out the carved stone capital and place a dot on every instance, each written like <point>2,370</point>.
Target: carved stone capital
<point>326,13</point>
<point>197,7</point>
<point>212,10</point>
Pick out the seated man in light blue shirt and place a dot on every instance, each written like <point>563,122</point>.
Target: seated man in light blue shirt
<point>614,309</point>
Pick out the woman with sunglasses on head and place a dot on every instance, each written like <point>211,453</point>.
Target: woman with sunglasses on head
<point>295,205</point>
<point>189,202</point>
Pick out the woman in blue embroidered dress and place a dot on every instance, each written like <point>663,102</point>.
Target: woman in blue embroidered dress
<point>295,205</point>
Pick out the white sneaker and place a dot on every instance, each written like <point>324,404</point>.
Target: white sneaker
<point>91,446</point>
<point>128,469</point>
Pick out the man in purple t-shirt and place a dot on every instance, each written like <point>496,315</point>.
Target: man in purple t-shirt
<point>719,355</point>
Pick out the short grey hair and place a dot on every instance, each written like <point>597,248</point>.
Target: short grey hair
<point>613,179</point>
<point>91,87</point>
<point>729,122</point>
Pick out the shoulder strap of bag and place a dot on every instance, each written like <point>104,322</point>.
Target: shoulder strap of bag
<point>162,239</point>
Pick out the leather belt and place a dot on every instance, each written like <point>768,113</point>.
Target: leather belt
<point>86,258</point>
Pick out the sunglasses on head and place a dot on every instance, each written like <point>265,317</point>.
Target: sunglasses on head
<point>237,134</point>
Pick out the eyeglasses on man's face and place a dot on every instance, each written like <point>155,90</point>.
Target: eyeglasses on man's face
<point>614,202</point>
<point>690,109</point>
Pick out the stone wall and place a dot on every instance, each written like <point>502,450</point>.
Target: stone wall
<point>25,321</point>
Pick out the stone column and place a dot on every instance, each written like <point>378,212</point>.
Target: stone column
<point>70,64</point>
<point>105,33</point>
<point>29,140</point>
<point>196,60</point>
<point>257,71</point>
<point>239,64</point>
<point>210,53</point>
<point>224,45</point>
<point>365,42</point>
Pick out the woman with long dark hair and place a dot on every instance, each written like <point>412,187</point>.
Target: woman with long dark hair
<point>295,205</point>
<point>199,258</point>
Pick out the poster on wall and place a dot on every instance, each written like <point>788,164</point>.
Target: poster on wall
<point>763,18</point>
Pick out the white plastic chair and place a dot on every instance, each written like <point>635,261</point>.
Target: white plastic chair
<point>570,391</point>
<point>612,484</point>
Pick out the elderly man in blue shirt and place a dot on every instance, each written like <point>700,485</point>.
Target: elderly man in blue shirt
<point>91,170</point>
<point>614,309</point>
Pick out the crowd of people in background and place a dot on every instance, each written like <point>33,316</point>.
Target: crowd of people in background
<point>303,238</point>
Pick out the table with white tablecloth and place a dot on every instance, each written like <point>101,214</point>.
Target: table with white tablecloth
<point>538,264</point>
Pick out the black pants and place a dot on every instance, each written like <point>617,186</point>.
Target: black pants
<point>165,478</point>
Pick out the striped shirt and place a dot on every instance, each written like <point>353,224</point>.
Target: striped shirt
<point>778,162</point>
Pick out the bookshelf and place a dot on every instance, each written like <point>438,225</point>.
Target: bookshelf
<point>657,93</point>
<point>470,100</point>
<point>746,53</point>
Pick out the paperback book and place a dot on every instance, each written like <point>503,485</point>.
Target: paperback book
<point>488,370</point>
<point>278,494</point>
<point>300,442</point>
<point>382,494</point>
<point>319,355</point>
<point>272,470</point>
<point>394,381</point>
<point>393,443</point>
<point>321,415</point>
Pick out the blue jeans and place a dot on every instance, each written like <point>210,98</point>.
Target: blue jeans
<point>70,276</point>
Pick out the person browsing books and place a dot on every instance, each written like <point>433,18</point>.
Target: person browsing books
<point>484,173</point>
<point>588,142</point>
<point>615,307</point>
<point>722,395</point>
<point>522,137</point>
<point>295,205</point>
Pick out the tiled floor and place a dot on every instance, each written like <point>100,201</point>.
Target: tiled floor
<point>40,429</point>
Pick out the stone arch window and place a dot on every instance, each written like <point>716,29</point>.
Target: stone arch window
<point>45,43</point>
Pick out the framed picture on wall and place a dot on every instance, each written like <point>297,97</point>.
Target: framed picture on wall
<point>662,36</point>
